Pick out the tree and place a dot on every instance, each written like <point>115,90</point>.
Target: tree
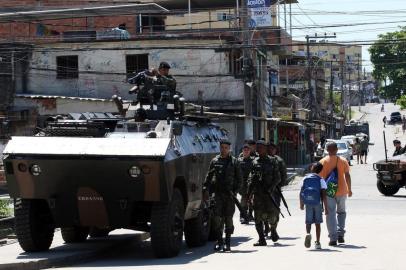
<point>388,55</point>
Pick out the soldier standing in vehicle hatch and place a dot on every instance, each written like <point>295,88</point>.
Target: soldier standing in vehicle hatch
<point>152,78</point>
<point>246,164</point>
<point>262,182</point>
<point>223,179</point>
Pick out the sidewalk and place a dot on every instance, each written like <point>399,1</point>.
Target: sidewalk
<point>13,257</point>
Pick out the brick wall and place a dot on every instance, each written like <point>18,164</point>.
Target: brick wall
<point>52,28</point>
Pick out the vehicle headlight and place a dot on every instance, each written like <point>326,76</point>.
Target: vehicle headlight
<point>134,172</point>
<point>35,170</point>
<point>22,167</point>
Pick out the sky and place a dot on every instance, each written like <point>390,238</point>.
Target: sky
<point>333,12</point>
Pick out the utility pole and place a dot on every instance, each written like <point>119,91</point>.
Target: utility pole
<point>342,90</point>
<point>190,13</point>
<point>348,99</point>
<point>309,77</point>
<point>248,80</point>
<point>332,99</point>
<point>309,69</point>
<point>360,92</point>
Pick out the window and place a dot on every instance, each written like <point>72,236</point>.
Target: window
<point>224,16</point>
<point>235,63</point>
<point>136,63</point>
<point>67,67</point>
<point>150,24</point>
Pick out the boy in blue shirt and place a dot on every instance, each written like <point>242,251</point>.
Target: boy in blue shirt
<point>313,195</point>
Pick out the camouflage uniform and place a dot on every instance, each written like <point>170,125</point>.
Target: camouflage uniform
<point>153,91</point>
<point>276,195</point>
<point>223,178</point>
<point>262,181</point>
<point>246,165</point>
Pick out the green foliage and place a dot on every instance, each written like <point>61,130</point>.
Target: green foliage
<point>5,210</point>
<point>337,102</point>
<point>388,55</point>
<point>402,102</point>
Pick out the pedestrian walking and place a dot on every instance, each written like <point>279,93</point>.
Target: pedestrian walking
<point>403,124</point>
<point>261,184</point>
<point>223,179</point>
<point>246,161</point>
<point>336,171</point>
<point>364,148</point>
<point>313,196</point>
<point>384,121</point>
<point>357,148</point>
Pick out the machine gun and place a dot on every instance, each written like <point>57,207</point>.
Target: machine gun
<point>233,197</point>
<point>258,175</point>
<point>278,189</point>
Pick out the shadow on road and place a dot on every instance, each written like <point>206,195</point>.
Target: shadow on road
<point>351,247</point>
<point>280,245</point>
<point>399,196</point>
<point>140,254</point>
<point>289,238</point>
<point>324,250</point>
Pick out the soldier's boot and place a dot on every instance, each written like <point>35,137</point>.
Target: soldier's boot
<point>266,232</point>
<point>260,229</point>
<point>244,218</point>
<point>274,234</point>
<point>227,245</point>
<point>219,245</point>
<point>250,215</point>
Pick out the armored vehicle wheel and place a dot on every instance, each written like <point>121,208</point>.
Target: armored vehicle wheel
<point>34,225</point>
<point>74,234</point>
<point>167,221</point>
<point>387,190</point>
<point>197,229</point>
<point>96,232</point>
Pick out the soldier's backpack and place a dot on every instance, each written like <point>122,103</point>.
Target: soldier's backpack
<point>311,189</point>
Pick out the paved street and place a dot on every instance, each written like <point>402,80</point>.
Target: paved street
<point>375,238</point>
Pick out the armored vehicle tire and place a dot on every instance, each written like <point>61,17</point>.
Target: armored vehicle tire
<point>167,222</point>
<point>387,190</point>
<point>74,234</point>
<point>34,225</point>
<point>197,229</point>
<point>96,232</point>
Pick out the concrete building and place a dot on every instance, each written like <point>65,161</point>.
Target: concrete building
<point>333,55</point>
<point>79,58</point>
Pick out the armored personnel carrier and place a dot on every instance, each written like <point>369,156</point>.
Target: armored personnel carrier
<point>89,174</point>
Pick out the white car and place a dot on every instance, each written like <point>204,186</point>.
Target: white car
<point>344,149</point>
<point>351,140</point>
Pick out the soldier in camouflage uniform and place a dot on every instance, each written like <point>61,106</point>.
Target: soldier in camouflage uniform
<point>277,193</point>
<point>246,164</point>
<point>223,179</point>
<point>158,85</point>
<point>262,182</point>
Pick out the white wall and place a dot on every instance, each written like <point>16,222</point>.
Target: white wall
<point>54,106</point>
<point>194,69</point>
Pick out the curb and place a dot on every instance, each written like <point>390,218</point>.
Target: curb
<point>79,257</point>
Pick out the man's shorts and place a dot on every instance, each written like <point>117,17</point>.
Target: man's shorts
<point>314,214</point>
<point>364,152</point>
